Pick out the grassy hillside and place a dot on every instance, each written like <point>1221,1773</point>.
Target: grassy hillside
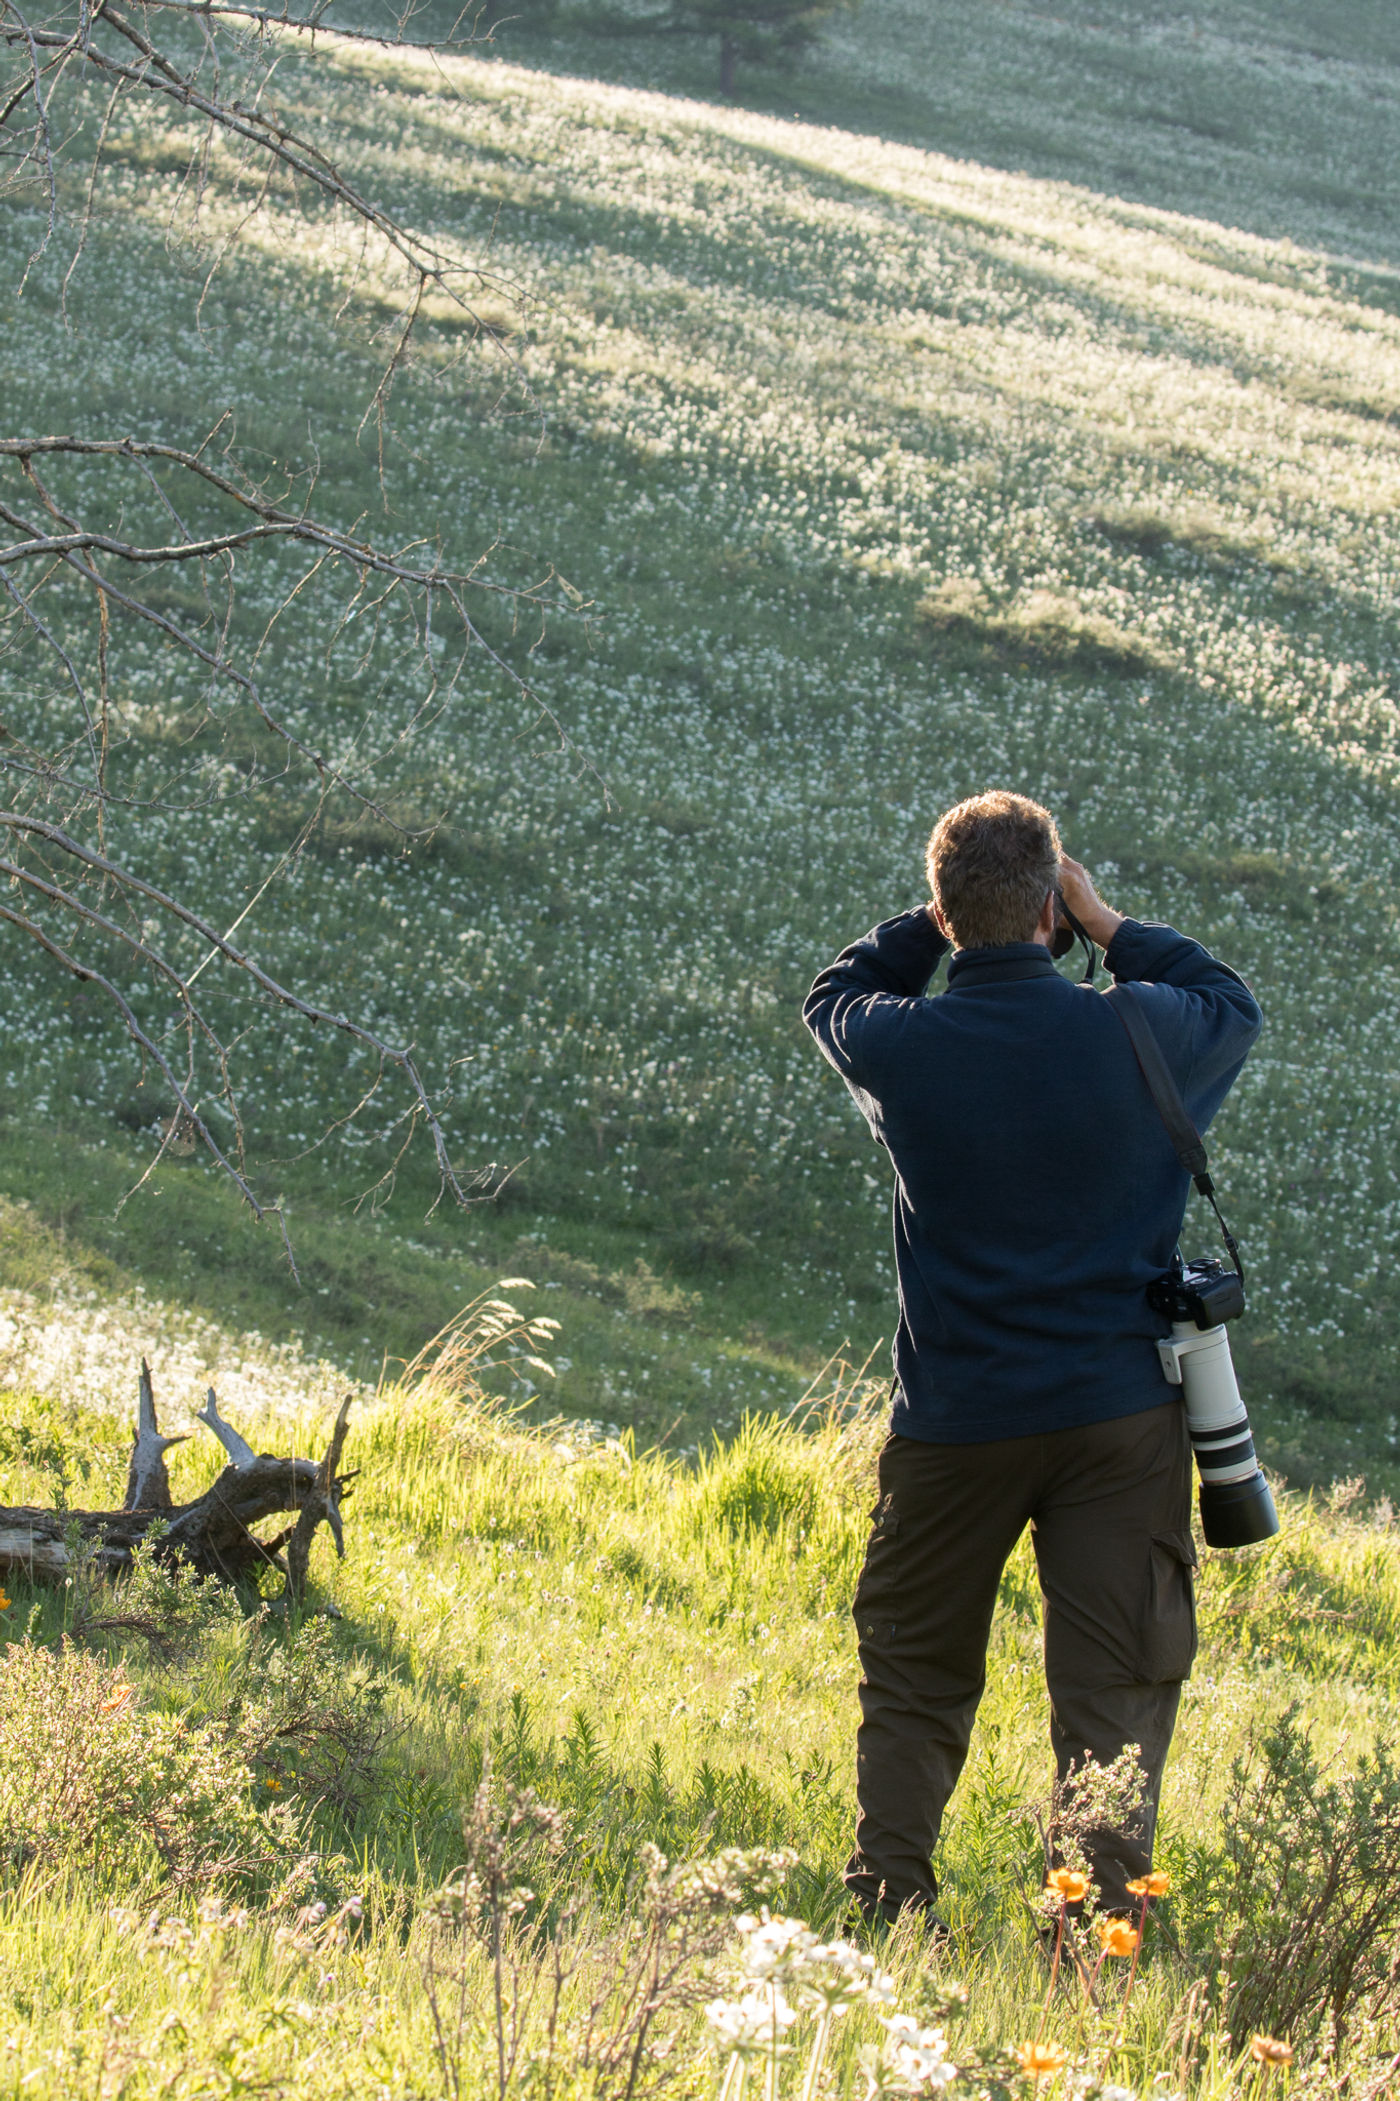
<point>233,1850</point>
<point>885,476</point>
<point>1274,116</point>
<point>1023,410</point>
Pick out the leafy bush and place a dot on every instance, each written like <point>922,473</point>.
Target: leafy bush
<point>1303,1897</point>
<point>265,1727</point>
<point>310,1719</point>
<point>160,1602</point>
<point>92,1779</point>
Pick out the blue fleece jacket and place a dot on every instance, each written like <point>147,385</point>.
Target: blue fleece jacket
<point>1036,1192</point>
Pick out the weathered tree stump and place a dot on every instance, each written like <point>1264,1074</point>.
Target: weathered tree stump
<point>213,1535</point>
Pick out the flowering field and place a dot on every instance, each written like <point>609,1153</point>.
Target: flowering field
<point>1279,119</point>
<point>877,475</point>
<point>884,476</point>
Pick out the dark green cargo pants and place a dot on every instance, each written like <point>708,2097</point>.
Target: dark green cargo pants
<point>1109,1508</point>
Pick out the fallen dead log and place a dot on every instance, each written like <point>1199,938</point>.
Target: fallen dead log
<point>213,1534</point>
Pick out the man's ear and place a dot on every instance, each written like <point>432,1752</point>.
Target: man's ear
<point>939,921</point>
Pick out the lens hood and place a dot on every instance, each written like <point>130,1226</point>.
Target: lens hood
<point>1238,1513</point>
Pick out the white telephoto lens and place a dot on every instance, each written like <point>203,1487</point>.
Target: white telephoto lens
<point>1215,1415</point>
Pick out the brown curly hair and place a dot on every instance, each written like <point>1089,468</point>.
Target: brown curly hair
<point>991,861</point>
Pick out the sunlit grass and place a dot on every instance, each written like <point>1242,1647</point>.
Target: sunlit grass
<point>661,1650</point>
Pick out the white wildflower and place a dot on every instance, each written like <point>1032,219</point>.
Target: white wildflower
<point>757,2021</point>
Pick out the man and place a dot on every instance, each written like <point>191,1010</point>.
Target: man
<point>1036,1197</point>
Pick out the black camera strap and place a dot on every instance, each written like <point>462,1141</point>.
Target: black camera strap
<point>1187,1143</point>
<point>1066,934</point>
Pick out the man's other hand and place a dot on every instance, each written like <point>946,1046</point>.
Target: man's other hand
<point>1078,892</point>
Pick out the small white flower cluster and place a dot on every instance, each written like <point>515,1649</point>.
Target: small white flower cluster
<point>790,1971</point>
<point>913,2060</point>
<point>753,2022</point>
<point>826,1977</point>
<point>586,1437</point>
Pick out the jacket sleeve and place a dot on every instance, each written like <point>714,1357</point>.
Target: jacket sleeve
<point>857,1006</point>
<point>1203,1013</point>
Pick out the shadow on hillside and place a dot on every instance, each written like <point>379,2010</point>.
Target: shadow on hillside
<point>1278,123</point>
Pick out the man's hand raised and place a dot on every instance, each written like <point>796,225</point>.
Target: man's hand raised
<point>1078,892</point>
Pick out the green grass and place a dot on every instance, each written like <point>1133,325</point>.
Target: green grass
<point>795,384</point>
<point>1069,464</point>
<point>662,1652</point>
<point>185,1275</point>
<point>1278,119</point>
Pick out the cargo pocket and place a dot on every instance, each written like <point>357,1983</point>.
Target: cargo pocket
<point>878,1584</point>
<point>1169,1630</point>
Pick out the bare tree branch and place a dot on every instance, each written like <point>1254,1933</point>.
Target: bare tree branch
<point>133,885</point>
<point>83,556</point>
<point>70,34</point>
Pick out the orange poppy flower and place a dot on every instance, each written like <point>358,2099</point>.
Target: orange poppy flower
<point>1117,1936</point>
<point>1041,2059</point>
<point>1267,2050</point>
<point>117,1698</point>
<point>1069,1884</point>
<point>1154,1885</point>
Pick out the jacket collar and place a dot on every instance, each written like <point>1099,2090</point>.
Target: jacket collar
<point>1008,965</point>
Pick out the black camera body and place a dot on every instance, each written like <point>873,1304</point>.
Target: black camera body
<point>1204,1292</point>
<point>1237,1508</point>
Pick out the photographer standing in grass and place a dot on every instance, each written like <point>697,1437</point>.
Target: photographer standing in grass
<point>1036,1197</point>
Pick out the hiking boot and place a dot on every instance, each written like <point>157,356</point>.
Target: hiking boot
<point>871,1923</point>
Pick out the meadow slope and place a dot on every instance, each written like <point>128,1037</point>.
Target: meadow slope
<point>881,475</point>
<point>884,476</point>
<point>1274,116</point>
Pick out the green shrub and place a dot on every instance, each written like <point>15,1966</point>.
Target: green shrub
<point>310,1719</point>
<point>91,1778</point>
<point>162,1603</point>
<point>1303,1897</point>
